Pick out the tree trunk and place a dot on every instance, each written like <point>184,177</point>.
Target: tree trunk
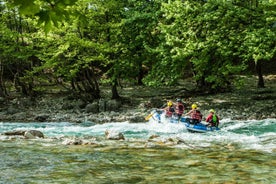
<point>2,87</point>
<point>92,81</point>
<point>115,94</point>
<point>260,75</point>
<point>140,75</point>
<point>140,69</point>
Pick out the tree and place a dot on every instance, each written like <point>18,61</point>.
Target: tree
<point>205,36</point>
<point>85,49</point>
<point>139,36</point>
<point>101,42</point>
<point>259,44</point>
<point>16,50</point>
<point>49,13</point>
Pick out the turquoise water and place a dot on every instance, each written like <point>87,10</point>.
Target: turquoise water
<point>242,152</point>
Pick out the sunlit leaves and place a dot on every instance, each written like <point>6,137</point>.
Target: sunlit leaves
<point>210,39</point>
<point>217,37</point>
<point>27,7</point>
<point>50,13</point>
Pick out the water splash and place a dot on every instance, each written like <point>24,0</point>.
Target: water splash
<point>250,134</point>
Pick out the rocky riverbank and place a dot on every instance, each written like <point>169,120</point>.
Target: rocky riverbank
<point>247,102</point>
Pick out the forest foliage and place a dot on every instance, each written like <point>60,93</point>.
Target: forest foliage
<point>80,45</point>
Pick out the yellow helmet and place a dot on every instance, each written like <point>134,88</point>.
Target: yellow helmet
<point>212,110</point>
<point>194,106</point>
<point>170,103</point>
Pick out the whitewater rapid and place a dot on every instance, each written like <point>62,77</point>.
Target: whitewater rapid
<point>250,134</point>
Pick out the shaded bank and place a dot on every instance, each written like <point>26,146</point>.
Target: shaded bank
<point>247,102</point>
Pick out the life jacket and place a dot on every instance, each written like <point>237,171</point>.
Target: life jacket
<point>196,115</point>
<point>214,120</point>
<point>179,108</point>
<point>169,112</point>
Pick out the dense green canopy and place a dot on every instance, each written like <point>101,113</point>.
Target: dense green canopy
<point>83,44</point>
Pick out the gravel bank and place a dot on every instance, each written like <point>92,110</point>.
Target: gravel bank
<point>242,104</point>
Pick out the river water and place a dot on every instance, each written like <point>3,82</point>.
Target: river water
<point>242,152</point>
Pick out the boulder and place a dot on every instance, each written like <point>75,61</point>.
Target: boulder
<point>154,136</point>
<point>112,135</point>
<point>41,118</point>
<point>2,100</point>
<point>15,132</point>
<point>92,108</point>
<point>12,110</point>
<point>74,142</point>
<point>102,105</point>
<point>113,105</point>
<point>31,134</point>
<point>137,118</point>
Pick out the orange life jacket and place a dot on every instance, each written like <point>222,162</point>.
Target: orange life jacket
<point>179,108</point>
<point>196,115</point>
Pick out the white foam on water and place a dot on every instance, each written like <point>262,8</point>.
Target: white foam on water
<point>250,134</point>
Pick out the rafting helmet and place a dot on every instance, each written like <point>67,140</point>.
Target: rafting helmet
<point>194,106</point>
<point>169,103</point>
<point>178,100</point>
<point>212,110</point>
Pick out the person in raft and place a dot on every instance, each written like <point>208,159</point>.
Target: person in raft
<point>169,110</point>
<point>179,108</point>
<point>212,119</point>
<point>195,115</point>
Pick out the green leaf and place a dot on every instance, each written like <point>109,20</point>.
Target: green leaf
<point>27,7</point>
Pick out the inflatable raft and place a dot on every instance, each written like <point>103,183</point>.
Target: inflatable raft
<point>159,117</point>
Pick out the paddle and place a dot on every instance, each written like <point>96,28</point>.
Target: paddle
<point>148,116</point>
<point>151,114</point>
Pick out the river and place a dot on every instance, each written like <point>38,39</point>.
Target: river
<point>241,152</point>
